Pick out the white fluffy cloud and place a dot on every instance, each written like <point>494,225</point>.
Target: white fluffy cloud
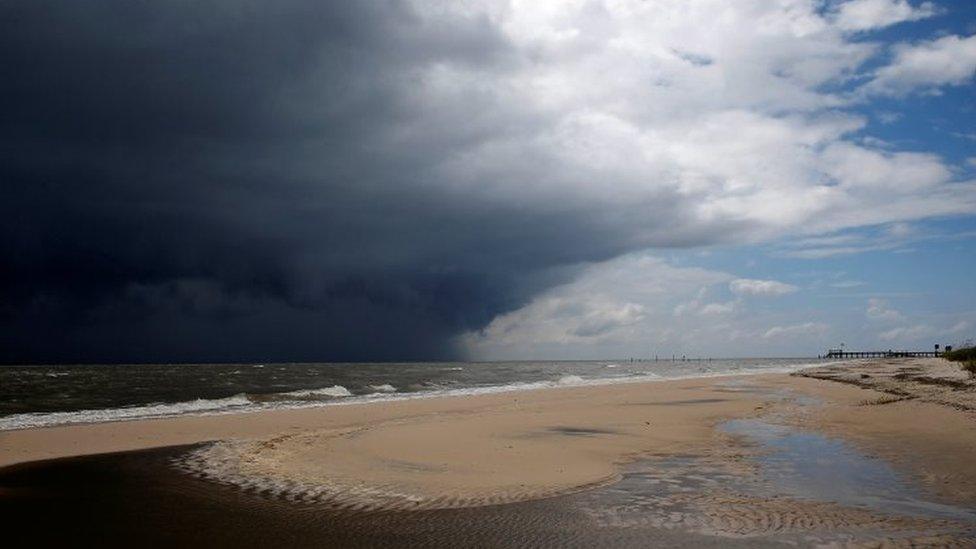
<point>859,15</point>
<point>610,304</point>
<point>805,329</point>
<point>720,110</point>
<point>746,286</point>
<point>641,305</point>
<point>711,309</point>
<point>416,169</point>
<point>896,236</point>
<point>926,66</point>
<point>959,327</point>
<point>858,167</point>
<point>907,334</point>
<point>726,119</point>
<point>878,309</point>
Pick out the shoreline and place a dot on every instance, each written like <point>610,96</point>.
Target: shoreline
<point>80,439</point>
<point>242,403</point>
<point>566,450</point>
<point>193,428</point>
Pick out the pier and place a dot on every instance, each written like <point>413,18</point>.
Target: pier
<point>839,353</point>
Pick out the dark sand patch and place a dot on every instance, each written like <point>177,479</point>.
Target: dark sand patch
<point>747,493</point>
<point>683,402</point>
<point>581,431</point>
<point>137,499</point>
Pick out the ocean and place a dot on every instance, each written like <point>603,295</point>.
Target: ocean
<point>40,396</point>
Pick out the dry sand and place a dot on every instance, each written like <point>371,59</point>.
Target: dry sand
<point>469,452</point>
<point>492,450</point>
<point>474,450</point>
<point>926,379</point>
<point>549,425</point>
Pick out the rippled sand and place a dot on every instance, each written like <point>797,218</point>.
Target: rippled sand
<point>748,461</point>
<point>131,498</point>
<point>519,447</point>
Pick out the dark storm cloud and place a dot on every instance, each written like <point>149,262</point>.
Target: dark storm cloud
<point>256,181</point>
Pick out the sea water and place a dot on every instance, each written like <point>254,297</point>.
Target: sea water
<point>37,396</point>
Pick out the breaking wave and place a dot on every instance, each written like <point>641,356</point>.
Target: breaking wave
<point>337,395</point>
<point>198,406</point>
<point>335,391</point>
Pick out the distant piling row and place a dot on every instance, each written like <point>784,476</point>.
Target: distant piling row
<point>837,353</point>
<point>674,358</point>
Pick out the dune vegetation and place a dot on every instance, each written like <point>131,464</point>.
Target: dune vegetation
<point>966,356</point>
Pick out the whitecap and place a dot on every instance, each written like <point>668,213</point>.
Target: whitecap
<point>384,388</point>
<point>333,391</point>
<point>338,395</point>
<point>156,410</point>
<point>570,380</point>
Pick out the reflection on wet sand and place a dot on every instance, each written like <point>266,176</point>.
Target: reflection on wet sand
<point>736,463</point>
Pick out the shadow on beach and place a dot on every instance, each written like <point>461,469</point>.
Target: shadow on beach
<point>138,499</point>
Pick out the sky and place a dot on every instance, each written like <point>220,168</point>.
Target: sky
<point>484,180</point>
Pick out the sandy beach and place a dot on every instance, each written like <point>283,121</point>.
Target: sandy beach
<point>488,274</point>
<point>454,453</point>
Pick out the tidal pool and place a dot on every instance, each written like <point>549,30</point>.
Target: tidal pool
<point>808,465</point>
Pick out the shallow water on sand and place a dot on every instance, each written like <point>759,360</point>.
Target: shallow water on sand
<point>812,466</point>
<point>774,501</point>
<point>138,498</point>
<point>778,487</point>
<point>787,486</point>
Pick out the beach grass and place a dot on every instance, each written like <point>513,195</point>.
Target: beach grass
<point>966,356</point>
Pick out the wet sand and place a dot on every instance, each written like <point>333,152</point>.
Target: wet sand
<point>706,462</point>
<point>137,499</point>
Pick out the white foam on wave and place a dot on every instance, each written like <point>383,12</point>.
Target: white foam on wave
<point>340,396</point>
<point>335,391</point>
<point>384,388</point>
<point>158,410</point>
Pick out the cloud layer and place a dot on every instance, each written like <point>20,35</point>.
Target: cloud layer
<point>369,180</point>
